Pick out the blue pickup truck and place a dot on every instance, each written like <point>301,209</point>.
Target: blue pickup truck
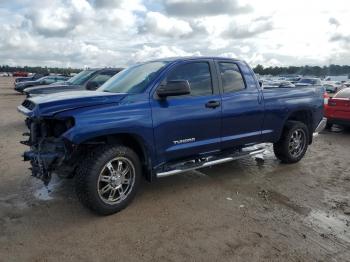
<point>160,118</point>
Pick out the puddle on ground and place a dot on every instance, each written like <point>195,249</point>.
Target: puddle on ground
<point>267,154</point>
<point>337,129</point>
<point>283,200</point>
<point>47,193</point>
<point>334,224</point>
<point>11,201</point>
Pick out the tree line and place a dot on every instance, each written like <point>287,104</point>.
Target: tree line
<point>259,69</point>
<point>39,69</point>
<point>304,70</point>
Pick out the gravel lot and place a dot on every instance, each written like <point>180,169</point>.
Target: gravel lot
<point>246,210</point>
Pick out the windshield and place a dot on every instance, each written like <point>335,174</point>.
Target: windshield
<point>80,78</point>
<point>133,80</point>
<point>41,78</point>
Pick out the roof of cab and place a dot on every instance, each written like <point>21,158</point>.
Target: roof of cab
<point>118,69</point>
<point>185,58</point>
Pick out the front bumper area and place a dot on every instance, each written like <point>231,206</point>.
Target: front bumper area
<point>42,163</point>
<point>19,88</point>
<point>45,157</point>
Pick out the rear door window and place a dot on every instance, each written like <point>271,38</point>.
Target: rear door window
<point>231,77</point>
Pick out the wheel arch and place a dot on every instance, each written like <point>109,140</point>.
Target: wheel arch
<point>134,141</point>
<point>305,116</point>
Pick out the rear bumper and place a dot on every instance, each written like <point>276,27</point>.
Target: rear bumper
<point>321,125</point>
<point>342,122</point>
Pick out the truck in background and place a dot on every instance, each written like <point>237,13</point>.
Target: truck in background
<point>161,118</point>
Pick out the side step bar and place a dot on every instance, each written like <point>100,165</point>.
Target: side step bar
<point>201,164</point>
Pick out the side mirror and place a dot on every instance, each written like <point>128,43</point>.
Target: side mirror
<point>174,88</point>
<point>91,85</point>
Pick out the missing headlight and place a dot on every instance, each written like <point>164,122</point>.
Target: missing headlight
<point>56,127</point>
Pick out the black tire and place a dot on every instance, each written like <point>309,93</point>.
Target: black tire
<point>90,171</point>
<point>329,125</point>
<point>283,147</point>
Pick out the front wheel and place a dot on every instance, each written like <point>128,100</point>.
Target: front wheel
<point>107,181</point>
<point>293,143</point>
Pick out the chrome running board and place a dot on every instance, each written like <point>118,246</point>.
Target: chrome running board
<point>321,125</point>
<point>207,163</point>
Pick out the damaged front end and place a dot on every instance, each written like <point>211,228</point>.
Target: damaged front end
<point>48,149</point>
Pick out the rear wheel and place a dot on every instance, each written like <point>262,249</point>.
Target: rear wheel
<point>293,143</point>
<point>107,181</point>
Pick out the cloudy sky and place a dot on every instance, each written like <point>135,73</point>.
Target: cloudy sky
<point>92,33</point>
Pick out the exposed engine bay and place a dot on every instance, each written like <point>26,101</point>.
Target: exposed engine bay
<point>48,149</point>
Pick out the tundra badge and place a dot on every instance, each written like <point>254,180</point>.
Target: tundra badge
<point>183,141</point>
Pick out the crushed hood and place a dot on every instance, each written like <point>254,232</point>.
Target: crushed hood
<point>52,104</point>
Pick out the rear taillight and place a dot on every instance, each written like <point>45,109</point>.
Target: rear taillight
<point>325,98</point>
<point>331,102</point>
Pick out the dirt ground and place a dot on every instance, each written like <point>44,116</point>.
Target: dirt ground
<point>246,210</point>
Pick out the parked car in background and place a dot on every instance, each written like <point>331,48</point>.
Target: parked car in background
<point>33,77</point>
<point>277,84</point>
<point>337,78</point>
<point>46,80</point>
<point>19,73</point>
<point>4,74</point>
<point>89,79</point>
<point>294,80</point>
<point>308,81</point>
<point>338,109</point>
<point>331,87</point>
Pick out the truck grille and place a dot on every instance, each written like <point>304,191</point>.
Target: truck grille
<point>28,104</point>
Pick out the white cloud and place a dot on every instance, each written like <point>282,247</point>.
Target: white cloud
<point>149,53</point>
<point>117,33</point>
<point>58,18</point>
<point>195,8</point>
<point>158,24</point>
<point>241,31</point>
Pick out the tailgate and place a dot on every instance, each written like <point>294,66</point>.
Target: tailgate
<point>340,108</point>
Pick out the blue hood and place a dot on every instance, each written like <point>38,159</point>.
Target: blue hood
<point>52,104</point>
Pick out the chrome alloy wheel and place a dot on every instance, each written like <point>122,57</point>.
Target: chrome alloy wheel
<point>116,180</point>
<point>297,143</point>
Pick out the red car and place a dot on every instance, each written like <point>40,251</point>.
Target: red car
<point>338,109</point>
<point>22,74</point>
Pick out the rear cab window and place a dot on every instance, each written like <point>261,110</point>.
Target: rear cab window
<point>345,93</point>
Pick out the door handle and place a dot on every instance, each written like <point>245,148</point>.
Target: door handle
<point>212,104</point>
